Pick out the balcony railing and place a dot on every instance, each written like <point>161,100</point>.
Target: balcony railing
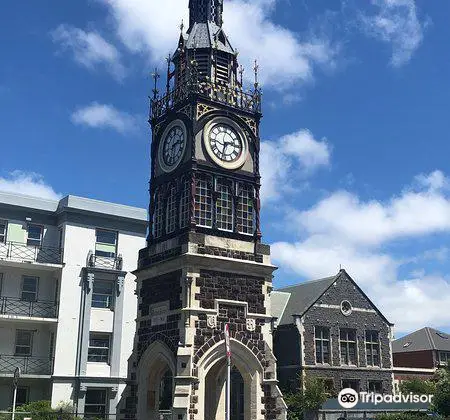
<point>28,365</point>
<point>249,101</point>
<point>40,308</point>
<point>16,251</point>
<point>108,263</point>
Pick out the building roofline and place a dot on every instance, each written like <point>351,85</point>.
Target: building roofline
<point>75,204</point>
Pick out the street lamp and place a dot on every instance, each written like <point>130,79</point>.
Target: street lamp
<point>15,383</point>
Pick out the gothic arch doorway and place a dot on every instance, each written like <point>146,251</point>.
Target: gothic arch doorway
<point>215,382</point>
<point>245,384</point>
<point>155,382</point>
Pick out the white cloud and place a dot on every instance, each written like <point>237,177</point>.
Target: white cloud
<point>344,230</point>
<point>396,23</point>
<point>28,183</point>
<point>146,27</point>
<point>98,115</point>
<point>434,181</point>
<point>89,49</point>
<point>297,153</point>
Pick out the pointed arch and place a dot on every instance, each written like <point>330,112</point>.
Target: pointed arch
<point>155,366</point>
<point>211,366</point>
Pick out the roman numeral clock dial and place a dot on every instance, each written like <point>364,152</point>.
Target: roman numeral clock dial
<point>225,143</point>
<point>172,146</point>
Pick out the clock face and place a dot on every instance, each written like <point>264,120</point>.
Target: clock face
<point>172,146</point>
<point>225,143</point>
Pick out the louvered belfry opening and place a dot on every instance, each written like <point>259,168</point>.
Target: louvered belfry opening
<point>222,68</point>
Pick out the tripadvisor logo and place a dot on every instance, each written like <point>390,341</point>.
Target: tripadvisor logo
<point>349,398</point>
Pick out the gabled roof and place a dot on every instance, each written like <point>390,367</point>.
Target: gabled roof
<point>302,296</point>
<point>424,339</point>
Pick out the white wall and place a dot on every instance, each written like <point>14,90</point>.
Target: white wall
<point>12,282</point>
<point>78,240</point>
<point>41,337</point>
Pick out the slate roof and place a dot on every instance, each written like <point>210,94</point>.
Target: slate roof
<point>203,35</point>
<point>424,339</point>
<point>297,299</point>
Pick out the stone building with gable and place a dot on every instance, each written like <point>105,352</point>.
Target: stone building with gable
<point>334,333</point>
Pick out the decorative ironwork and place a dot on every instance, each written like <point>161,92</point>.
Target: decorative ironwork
<point>108,263</point>
<point>28,365</point>
<point>203,109</point>
<point>16,306</point>
<point>219,92</point>
<point>17,251</point>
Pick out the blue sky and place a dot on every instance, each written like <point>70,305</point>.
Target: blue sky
<point>355,149</point>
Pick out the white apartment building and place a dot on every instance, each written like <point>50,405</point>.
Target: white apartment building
<point>67,302</point>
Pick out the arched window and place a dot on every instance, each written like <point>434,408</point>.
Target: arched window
<point>224,206</point>
<point>203,203</point>
<point>166,391</point>
<point>184,202</point>
<point>171,209</point>
<point>158,217</point>
<point>245,210</point>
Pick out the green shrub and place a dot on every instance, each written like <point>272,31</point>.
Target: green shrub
<point>310,398</point>
<point>407,415</point>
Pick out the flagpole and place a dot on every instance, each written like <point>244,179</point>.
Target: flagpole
<point>228,384</point>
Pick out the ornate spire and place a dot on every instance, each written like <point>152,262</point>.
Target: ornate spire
<point>203,11</point>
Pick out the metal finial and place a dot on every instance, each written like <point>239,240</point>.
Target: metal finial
<point>181,26</point>
<point>155,76</point>
<point>255,69</point>
<point>168,59</point>
<point>241,75</point>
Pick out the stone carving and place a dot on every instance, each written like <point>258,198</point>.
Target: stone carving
<point>211,321</point>
<point>251,324</point>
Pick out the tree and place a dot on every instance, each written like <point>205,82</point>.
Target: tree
<point>309,398</point>
<point>441,399</point>
<point>418,387</point>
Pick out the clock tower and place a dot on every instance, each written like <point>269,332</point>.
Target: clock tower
<point>204,265</point>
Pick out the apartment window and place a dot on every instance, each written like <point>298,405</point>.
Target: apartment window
<point>95,402</point>
<point>105,243</point>
<point>24,343</point>
<point>159,215</point>
<point>372,348</point>
<point>103,294</point>
<point>35,234</point>
<point>376,387</point>
<point>444,356</point>
<point>30,286</point>
<point>98,350</point>
<point>171,210</point>
<point>351,383</point>
<point>224,207</point>
<point>22,396</point>
<point>322,339</point>
<point>3,229</point>
<point>245,211</point>
<point>184,202</point>
<point>348,347</point>
<point>203,203</point>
